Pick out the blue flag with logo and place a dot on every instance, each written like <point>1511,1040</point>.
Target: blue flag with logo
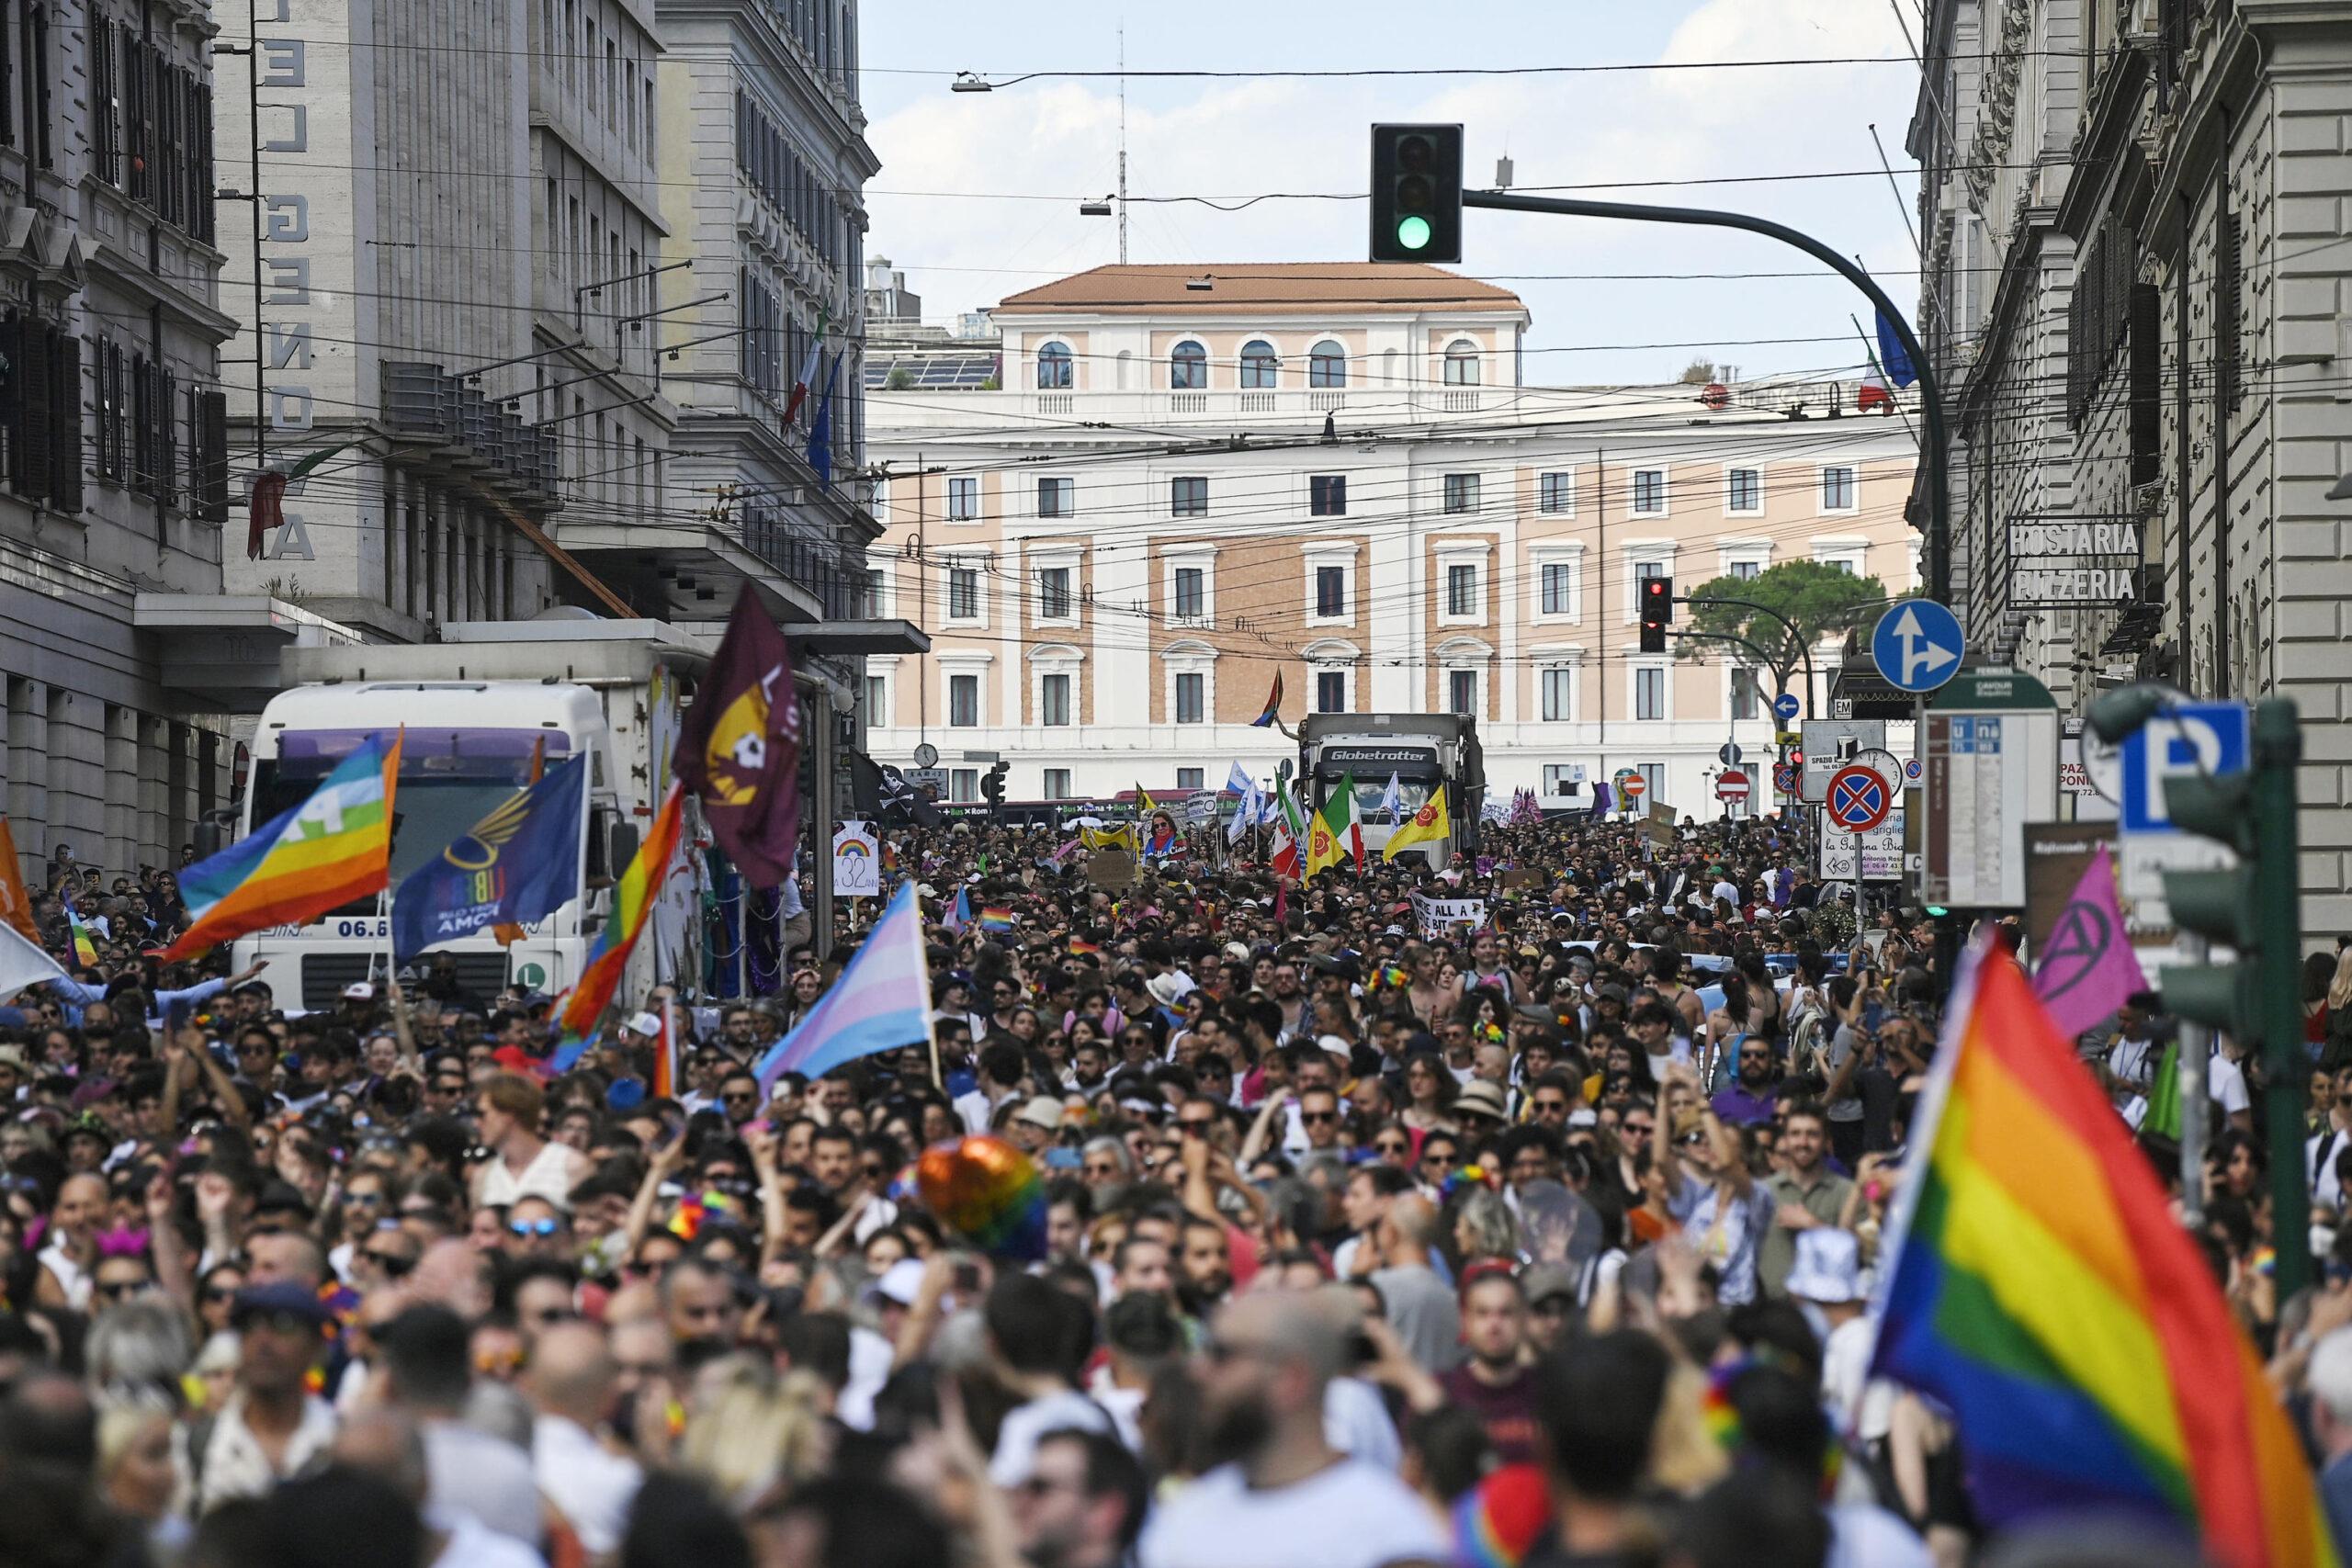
<point>519,864</point>
<point>1893,357</point>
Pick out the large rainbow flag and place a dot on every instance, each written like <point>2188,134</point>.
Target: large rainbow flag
<point>2041,1287</point>
<point>334,847</point>
<point>881,1001</point>
<point>632,905</point>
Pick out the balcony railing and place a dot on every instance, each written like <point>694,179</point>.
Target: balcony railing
<point>425,402</point>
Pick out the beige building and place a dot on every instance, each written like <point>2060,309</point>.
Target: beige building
<point>1194,481</point>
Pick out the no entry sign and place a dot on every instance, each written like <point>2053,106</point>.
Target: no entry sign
<point>1731,785</point>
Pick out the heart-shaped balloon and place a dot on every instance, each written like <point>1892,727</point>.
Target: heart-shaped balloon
<point>988,1192</point>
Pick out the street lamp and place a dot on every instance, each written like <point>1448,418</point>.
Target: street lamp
<point>2115,716</point>
<point>970,81</point>
<point>1101,209</point>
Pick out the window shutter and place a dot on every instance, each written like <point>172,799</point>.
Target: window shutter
<point>202,132</point>
<point>29,472</point>
<point>212,493</point>
<point>65,423</point>
<point>2228,291</point>
<point>2147,382</point>
<point>138,117</point>
<point>167,462</point>
<point>143,425</point>
<point>12,385</point>
<point>105,136</point>
<point>169,190</point>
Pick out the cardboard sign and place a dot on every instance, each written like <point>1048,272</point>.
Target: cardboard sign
<point>1111,868</point>
<point>857,862</point>
<point>1440,916</point>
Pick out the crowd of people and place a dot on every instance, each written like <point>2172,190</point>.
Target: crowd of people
<point>1536,1225</point>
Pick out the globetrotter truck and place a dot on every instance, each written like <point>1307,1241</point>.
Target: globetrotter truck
<point>1424,753</point>
<point>475,709</point>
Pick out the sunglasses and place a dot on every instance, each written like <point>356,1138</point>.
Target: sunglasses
<point>217,1293</point>
<point>540,1227</point>
<point>1316,1117</point>
<point>1387,1147</point>
<point>120,1289</point>
<point>395,1265</point>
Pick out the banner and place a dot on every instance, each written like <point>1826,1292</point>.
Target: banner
<point>519,864</point>
<point>740,747</point>
<point>1438,916</point>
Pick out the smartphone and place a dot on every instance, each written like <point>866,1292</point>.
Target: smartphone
<point>175,1017</point>
<point>968,1276</point>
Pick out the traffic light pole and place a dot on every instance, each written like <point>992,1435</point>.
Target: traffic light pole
<point>2277,748</point>
<point>1938,543</point>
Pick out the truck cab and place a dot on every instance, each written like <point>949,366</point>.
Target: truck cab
<point>1424,752</point>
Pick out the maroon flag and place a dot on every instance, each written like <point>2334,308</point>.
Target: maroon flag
<point>740,749</point>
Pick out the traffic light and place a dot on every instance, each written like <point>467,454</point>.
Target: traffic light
<point>1417,193</point>
<point>992,783</point>
<point>1657,609</point>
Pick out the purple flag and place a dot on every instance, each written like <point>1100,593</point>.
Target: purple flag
<point>2087,967</point>
<point>740,747</point>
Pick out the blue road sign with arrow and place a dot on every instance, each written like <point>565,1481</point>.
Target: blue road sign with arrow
<point>1784,708</point>
<point>1917,645</point>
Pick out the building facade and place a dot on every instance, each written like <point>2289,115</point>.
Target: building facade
<point>2134,214</point>
<point>113,477</point>
<point>1197,480</point>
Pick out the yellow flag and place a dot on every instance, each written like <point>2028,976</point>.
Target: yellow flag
<point>1431,823</point>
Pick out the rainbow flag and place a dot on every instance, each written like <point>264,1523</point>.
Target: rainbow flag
<point>881,1001</point>
<point>86,951</point>
<point>632,903</point>
<point>2041,1289</point>
<point>995,918</point>
<point>1273,705</point>
<point>334,847</point>
<point>1082,947</point>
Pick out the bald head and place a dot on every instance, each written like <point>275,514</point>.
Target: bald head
<point>384,1442</point>
<point>571,1372</point>
<point>1308,1331</point>
<point>1412,1222</point>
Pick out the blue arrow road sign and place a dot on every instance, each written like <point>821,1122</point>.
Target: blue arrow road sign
<point>2189,737</point>
<point>1918,645</point>
<point>1785,706</point>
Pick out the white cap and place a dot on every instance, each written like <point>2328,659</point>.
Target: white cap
<point>645,1023</point>
<point>898,1283</point>
<point>359,991</point>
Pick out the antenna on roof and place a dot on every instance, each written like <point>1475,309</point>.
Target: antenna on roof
<point>1122,143</point>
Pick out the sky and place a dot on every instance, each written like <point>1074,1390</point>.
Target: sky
<point>978,193</point>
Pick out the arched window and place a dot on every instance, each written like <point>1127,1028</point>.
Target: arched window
<point>1260,365</point>
<point>1326,365</point>
<point>1462,362</point>
<point>1054,367</point>
<point>1188,368</point>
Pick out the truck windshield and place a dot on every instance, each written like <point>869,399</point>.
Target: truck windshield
<point>450,779</point>
<point>1369,793</point>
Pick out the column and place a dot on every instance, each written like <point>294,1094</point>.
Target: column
<point>120,790</point>
<point>29,770</point>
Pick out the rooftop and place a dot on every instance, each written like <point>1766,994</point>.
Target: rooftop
<point>1258,287</point>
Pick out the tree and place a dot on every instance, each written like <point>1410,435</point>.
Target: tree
<point>1816,599</point>
<point>1699,372</point>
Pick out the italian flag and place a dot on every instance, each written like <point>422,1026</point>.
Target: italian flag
<point>1289,832</point>
<point>806,377</point>
<point>1334,834</point>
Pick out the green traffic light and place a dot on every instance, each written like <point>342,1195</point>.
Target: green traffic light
<point>1413,232</point>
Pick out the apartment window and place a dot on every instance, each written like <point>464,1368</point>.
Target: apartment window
<point>1462,492</point>
<point>1461,691</point>
<point>1649,493</point>
<point>1746,570</point>
<point>963,594</point>
<point>1837,490</point>
<point>1330,690</point>
<point>1649,693</point>
<point>1188,368</point>
<point>1053,594</point>
<point>964,500</point>
<point>1556,492</point>
<point>1556,685</point>
<point>1057,783</point>
<point>1462,362</point>
<point>1461,590</point>
<point>1326,365</point>
<point>876,701</point>
<point>1653,781</point>
<point>1843,563</point>
<point>1188,496</point>
<point>1190,689</point>
<point>964,702</point>
<point>1746,698</point>
<point>1327,495</point>
<point>1743,491</point>
<point>1331,590</point>
<point>1559,589</point>
<point>1190,595</point>
<point>1056,498</point>
<point>1054,368</point>
<point>964,783</point>
<point>1643,571</point>
<point>1189,778</point>
<point>1261,367</point>
<point>1053,702</point>
<point>1559,778</point>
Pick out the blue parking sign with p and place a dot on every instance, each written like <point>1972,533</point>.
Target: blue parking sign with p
<point>2186,739</point>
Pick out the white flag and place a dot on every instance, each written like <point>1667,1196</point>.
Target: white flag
<point>22,963</point>
<point>1253,805</point>
<point>1238,781</point>
<point>1391,799</point>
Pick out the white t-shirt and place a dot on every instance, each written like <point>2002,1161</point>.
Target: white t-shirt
<point>1016,1440</point>
<point>1354,1515</point>
<point>2226,1082</point>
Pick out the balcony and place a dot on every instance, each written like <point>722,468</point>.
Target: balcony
<point>466,433</point>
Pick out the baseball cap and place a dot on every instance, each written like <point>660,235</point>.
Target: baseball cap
<point>279,1296</point>
<point>359,991</point>
<point>645,1023</point>
<point>1042,1111</point>
<point>1547,1281</point>
<point>898,1283</point>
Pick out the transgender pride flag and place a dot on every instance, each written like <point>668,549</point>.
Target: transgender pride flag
<point>881,1002</point>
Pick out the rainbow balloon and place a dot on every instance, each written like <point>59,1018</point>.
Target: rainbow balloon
<point>988,1192</point>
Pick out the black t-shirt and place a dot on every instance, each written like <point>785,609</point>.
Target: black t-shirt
<point>1508,1410</point>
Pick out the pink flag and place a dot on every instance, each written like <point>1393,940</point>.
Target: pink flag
<point>2087,967</point>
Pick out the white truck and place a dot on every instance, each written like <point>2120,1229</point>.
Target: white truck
<point>1423,752</point>
<point>474,708</point>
